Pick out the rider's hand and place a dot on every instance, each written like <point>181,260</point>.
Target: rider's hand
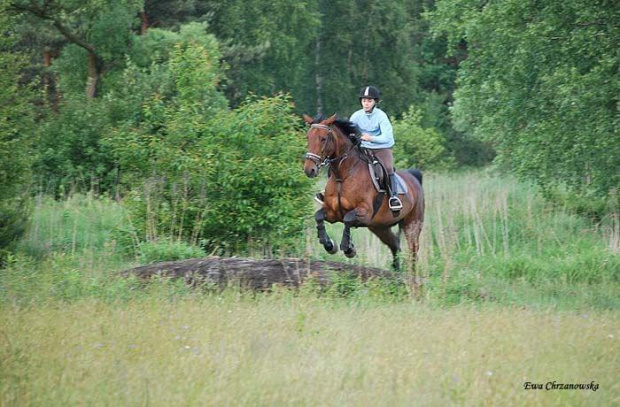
<point>366,137</point>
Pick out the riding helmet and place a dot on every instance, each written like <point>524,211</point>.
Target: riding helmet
<point>370,92</point>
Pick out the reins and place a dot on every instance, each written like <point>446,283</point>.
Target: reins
<point>329,161</point>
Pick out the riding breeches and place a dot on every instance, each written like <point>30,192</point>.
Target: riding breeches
<point>386,157</point>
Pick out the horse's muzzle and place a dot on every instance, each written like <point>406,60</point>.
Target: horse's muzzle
<point>311,169</point>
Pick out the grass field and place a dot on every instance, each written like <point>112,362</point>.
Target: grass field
<point>516,292</point>
<point>297,350</point>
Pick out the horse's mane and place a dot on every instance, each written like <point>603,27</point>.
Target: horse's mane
<point>348,128</point>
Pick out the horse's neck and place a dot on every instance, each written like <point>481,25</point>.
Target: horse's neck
<point>346,157</point>
<point>344,145</point>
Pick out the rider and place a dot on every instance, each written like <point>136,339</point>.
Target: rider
<point>377,135</point>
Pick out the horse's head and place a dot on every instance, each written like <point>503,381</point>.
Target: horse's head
<point>322,143</point>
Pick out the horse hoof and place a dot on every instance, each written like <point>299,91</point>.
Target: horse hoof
<point>330,247</point>
<point>350,253</point>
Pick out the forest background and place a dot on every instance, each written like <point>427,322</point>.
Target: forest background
<point>188,110</point>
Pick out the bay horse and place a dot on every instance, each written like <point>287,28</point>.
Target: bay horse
<point>350,196</point>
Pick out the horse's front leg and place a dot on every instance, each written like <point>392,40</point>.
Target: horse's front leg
<point>324,239</point>
<point>346,245</point>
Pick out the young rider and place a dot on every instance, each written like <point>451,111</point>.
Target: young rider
<point>377,135</point>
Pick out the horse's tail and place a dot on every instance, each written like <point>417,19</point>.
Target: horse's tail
<point>416,173</point>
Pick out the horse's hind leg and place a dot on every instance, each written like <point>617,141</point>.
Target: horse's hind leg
<point>346,245</point>
<point>391,240</point>
<point>324,239</point>
<point>412,234</point>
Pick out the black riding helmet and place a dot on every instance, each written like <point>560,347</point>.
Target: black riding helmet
<point>369,92</point>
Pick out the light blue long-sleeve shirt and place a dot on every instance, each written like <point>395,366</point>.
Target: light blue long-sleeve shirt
<point>377,125</point>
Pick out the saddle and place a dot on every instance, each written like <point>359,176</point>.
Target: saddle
<point>379,175</point>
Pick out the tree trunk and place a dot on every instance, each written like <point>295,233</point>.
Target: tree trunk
<point>257,274</point>
<point>93,76</point>
<point>318,78</point>
<point>144,19</point>
<point>52,93</point>
<point>47,75</point>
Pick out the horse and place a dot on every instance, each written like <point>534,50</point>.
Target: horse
<point>350,196</point>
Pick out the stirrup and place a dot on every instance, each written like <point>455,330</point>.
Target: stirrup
<point>319,197</point>
<point>395,204</point>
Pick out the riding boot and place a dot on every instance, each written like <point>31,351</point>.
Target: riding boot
<point>395,202</point>
<point>320,197</point>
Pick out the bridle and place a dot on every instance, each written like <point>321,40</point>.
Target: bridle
<point>317,159</point>
<point>337,161</point>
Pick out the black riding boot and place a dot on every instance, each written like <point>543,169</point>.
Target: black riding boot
<point>395,202</point>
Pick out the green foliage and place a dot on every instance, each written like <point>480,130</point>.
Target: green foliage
<point>416,146</point>
<point>159,149</point>
<point>541,82</point>
<point>100,30</point>
<point>267,46</point>
<point>257,190</point>
<point>152,252</point>
<point>367,43</point>
<point>71,156</point>
<point>16,123</point>
<point>73,151</point>
<point>235,180</point>
<point>196,170</point>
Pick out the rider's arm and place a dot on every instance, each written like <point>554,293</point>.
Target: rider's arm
<point>386,135</point>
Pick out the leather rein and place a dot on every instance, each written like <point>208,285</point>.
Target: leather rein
<point>329,161</point>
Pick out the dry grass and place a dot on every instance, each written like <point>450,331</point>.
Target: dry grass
<point>285,350</point>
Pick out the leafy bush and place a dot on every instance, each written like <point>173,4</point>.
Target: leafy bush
<point>71,156</point>
<point>257,190</point>
<point>199,172</point>
<point>417,146</point>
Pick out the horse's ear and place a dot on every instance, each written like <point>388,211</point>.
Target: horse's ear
<point>308,119</point>
<point>331,120</point>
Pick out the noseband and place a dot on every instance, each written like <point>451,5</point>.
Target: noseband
<point>317,158</point>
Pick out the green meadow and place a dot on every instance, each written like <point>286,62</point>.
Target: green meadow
<point>516,291</point>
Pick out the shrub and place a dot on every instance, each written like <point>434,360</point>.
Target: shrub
<point>417,146</point>
<point>199,172</point>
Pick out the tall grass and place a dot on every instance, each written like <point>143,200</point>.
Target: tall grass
<point>283,349</point>
<point>533,294</point>
<point>485,239</point>
<point>495,239</point>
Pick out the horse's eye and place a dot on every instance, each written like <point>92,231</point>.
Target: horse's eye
<point>323,140</point>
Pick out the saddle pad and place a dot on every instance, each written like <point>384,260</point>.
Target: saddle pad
<point>401,186</point>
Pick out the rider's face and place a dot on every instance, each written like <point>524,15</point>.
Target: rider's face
<point>368,104</point>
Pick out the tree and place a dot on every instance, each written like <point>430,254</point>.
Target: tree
<point>267,46</point>
<point>99,32</point>
<point>541,82</point>
<point>16,122</point>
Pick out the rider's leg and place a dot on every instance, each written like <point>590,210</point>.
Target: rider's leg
<point>386,156</point>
